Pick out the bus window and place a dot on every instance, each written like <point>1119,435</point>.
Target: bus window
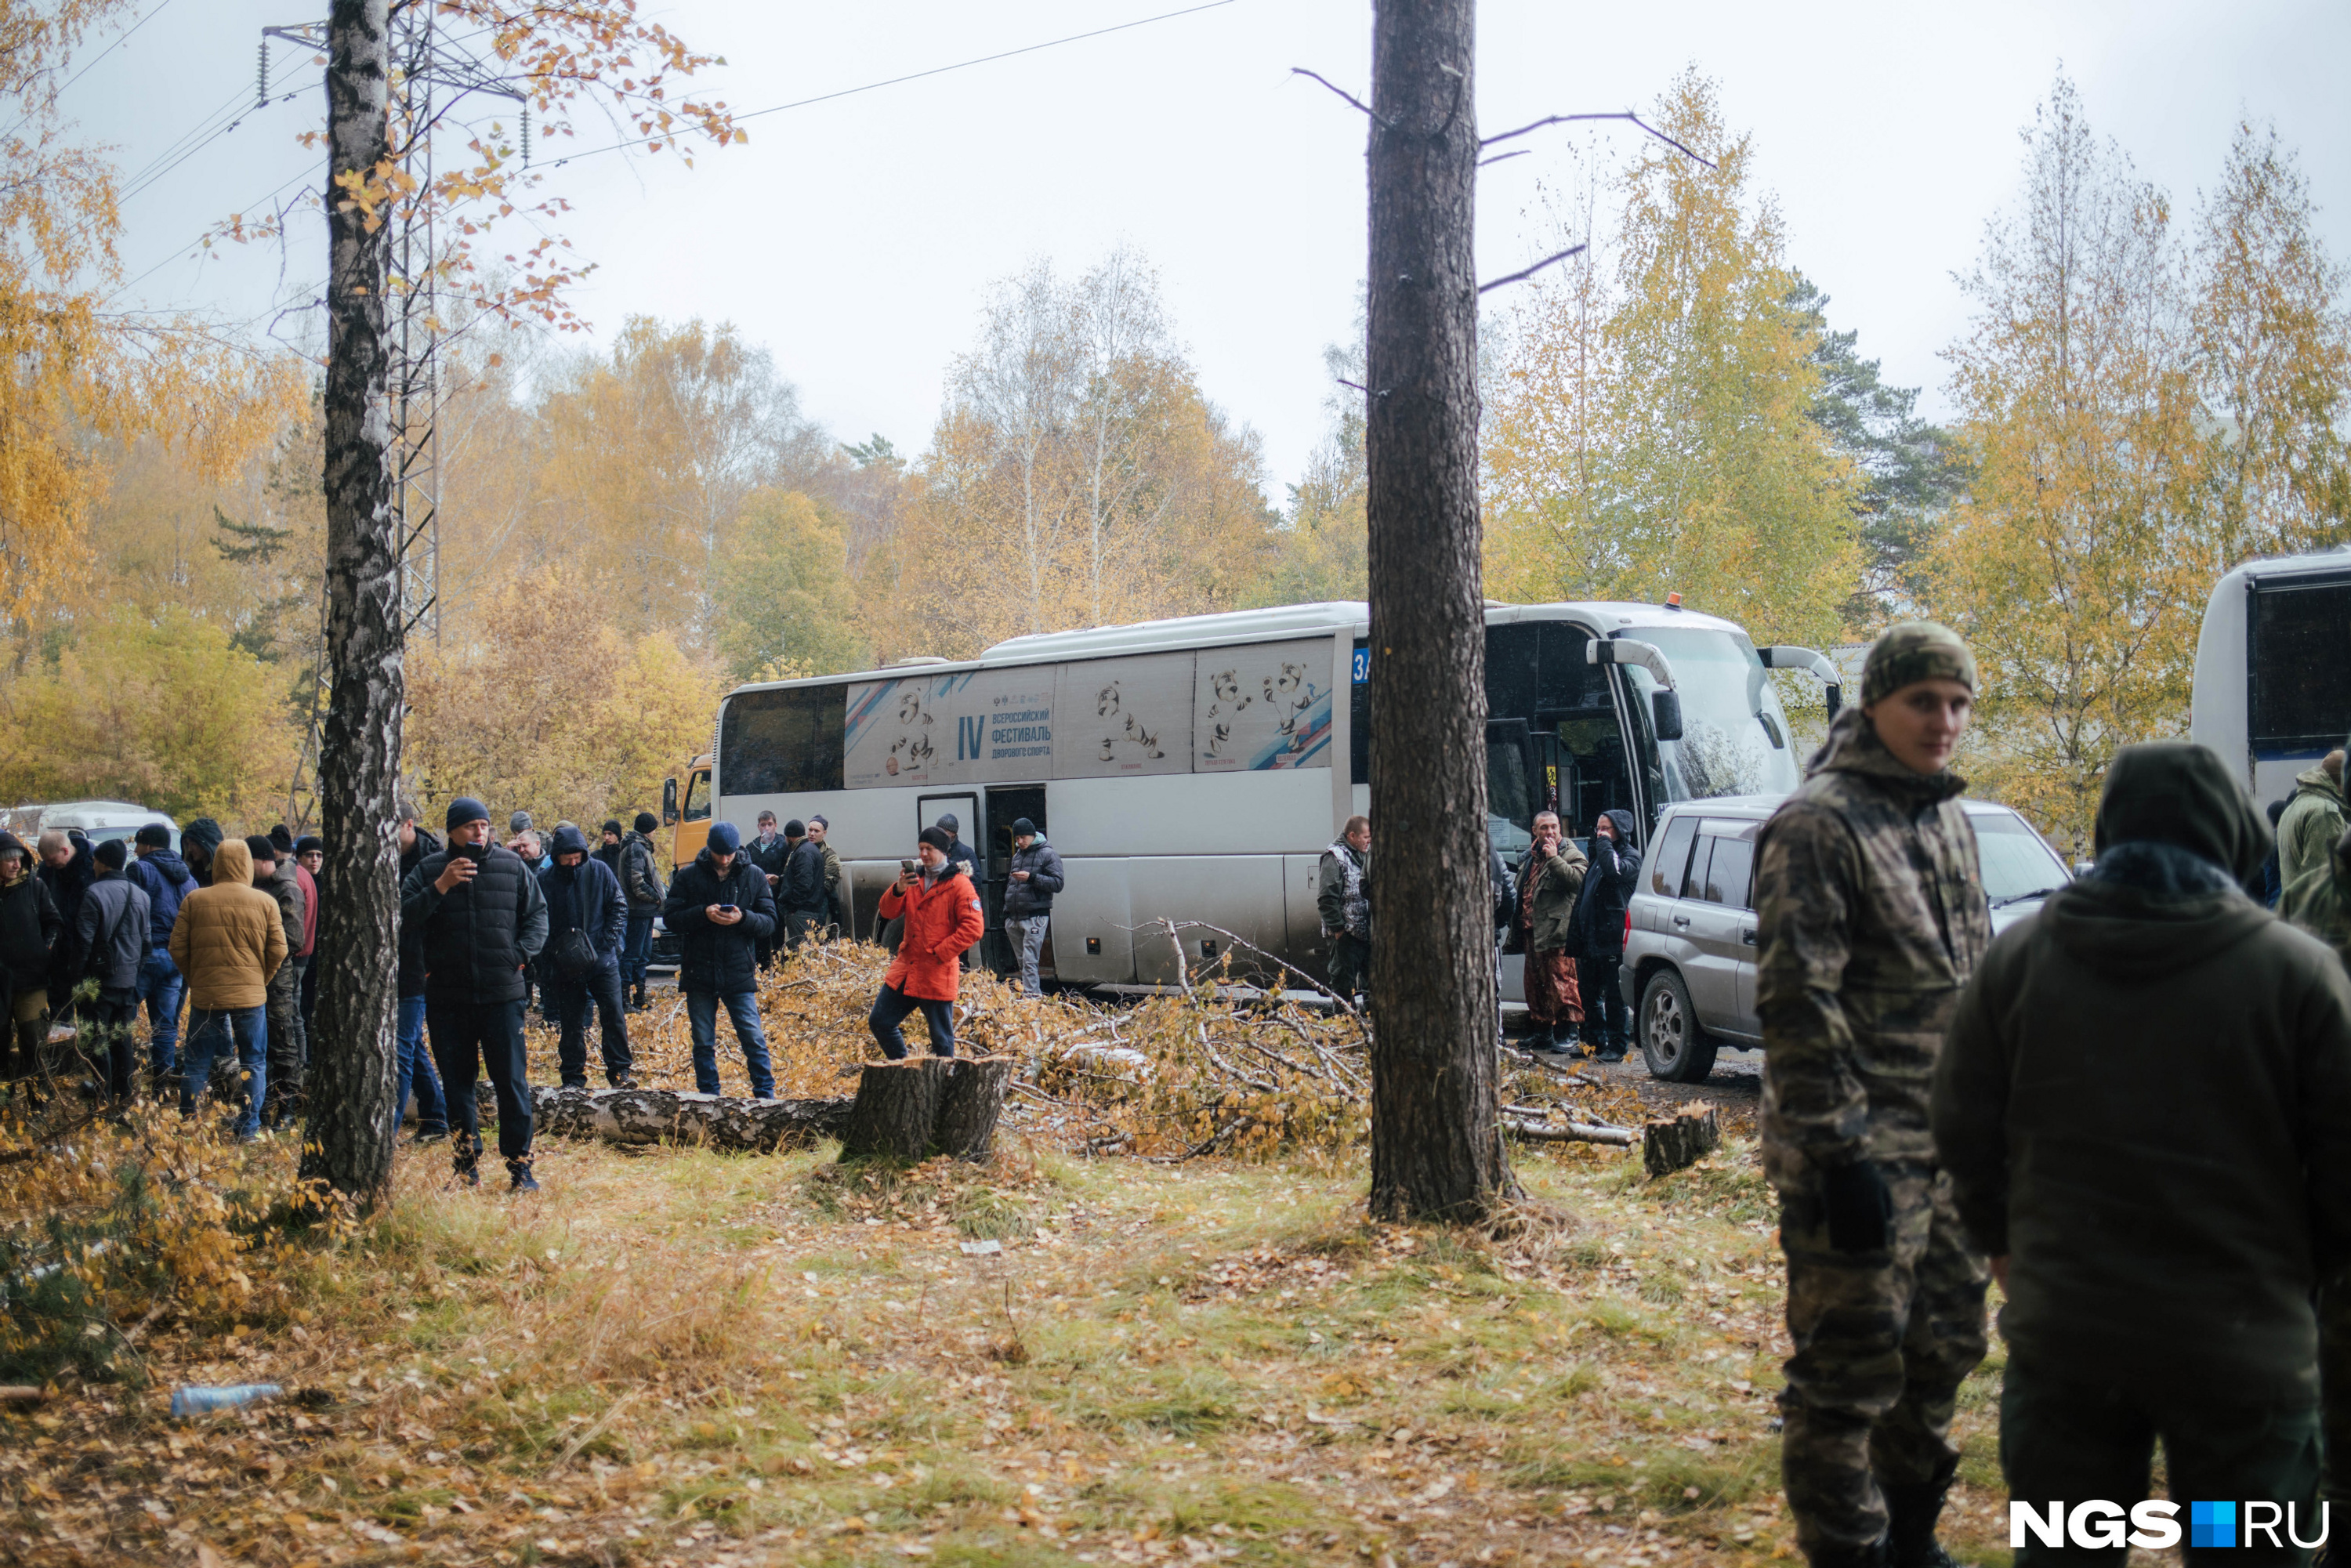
<point>2300,640</point>
<point>698,797</point>
<point>1511,791</point>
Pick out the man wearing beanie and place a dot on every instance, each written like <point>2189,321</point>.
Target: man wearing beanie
<point>720,907</point>
<point>479,917</point>
<point>166,880</point>
<point>941,914</point>
<point>640,884</point>
<point>1029,891</point>
<point>2145,1110</point>
<point>198,840</point>
<point>288,1051</point>
<point>609,851</point>
<point>802,904</point>
<point>1872,918</point>
<point>114,935</point>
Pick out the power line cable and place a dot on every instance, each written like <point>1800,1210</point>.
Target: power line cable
<point>912,75</point>
<point>100,55</point>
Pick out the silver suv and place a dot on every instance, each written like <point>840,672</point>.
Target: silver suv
<point>1689,939</point>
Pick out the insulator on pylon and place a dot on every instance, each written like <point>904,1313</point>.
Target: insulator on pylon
<point>261,78</point>
<point>526,134</point>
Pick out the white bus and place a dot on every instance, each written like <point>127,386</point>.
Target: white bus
<point>1196,769</point>
<point>2272,689</point>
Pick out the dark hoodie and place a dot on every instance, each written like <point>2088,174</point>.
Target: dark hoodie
<point>1599,931</point>
<point>68,884</point>
<point>585,897</point>
<point>2145,1105</point>
<point>30,922</point>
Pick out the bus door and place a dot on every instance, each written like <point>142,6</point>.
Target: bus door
<point>1005,807</point>
<point>969,827</point>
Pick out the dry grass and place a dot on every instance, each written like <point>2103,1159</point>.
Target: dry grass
<point>675,1357</point>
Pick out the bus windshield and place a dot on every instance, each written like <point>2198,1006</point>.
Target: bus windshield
<point>1735,737</point>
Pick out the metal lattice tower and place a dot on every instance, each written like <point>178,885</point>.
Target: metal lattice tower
<point>430,73</point>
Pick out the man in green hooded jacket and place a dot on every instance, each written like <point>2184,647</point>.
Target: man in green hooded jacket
<point>2319,900</point>
<point>2314,818</point>
<point>2145,1107</point>
<point>1872,916</point>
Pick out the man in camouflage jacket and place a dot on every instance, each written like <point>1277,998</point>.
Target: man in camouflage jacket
<point>1873,918</point>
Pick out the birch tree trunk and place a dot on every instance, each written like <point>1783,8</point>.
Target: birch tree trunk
<point>349,1141</point>
<point>1436,1142</point>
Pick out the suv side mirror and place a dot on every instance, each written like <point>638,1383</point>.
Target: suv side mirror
<point>669,802</point>
<point>1665,712</point>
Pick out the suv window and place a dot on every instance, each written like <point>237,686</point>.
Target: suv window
<point>1672,854</point>
<point>1729,872</point>
<point>1694,881</point>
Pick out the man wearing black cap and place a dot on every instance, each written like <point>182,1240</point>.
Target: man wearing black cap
<point>166,880</point>
<point>1035,878</point>
<point>288,1051</point>
<point>480,916</point>
<point>640,884</point>
<point>114,936</point>
<point>720,907</point>
<point>959,854</point>
<point>2145,1109</point>
<point>198,840</point>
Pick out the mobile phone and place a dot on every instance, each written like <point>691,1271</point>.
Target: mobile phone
<point>727,909</point>
<point>905,868</point>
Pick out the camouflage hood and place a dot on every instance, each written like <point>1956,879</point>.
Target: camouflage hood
<point>1852,747</point>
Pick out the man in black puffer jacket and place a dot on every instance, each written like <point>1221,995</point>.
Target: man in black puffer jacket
<point>586,916</point>
<point>719,906</point>
<point>29,927</point>
<point>480,916</point>
<point>1599,934</point>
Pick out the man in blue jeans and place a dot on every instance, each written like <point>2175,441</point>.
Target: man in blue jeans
<point>228,940</point>
<point>167,881</point>
<point>641,885</point>
<point>720,908</point>
<point>416,1070</point>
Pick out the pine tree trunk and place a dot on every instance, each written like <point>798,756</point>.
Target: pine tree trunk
<point>897,1105</point>
<point>349,1141</point>
<point>1437,1141</point>
<point>970,1104</point>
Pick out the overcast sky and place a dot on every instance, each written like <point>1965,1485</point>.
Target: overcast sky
<point>857,238</point>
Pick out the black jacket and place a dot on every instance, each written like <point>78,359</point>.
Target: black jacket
<point>1043,862</point>
<point>412,935</point>
<point>114,915</point>
<point>477,935</point>
<point>722,959</point>
<point>768,857</point>
<point>802,891</point>
<point>1615,868</point>
<point>640,881</point>
<point>29,923</point>
<point>68,884</point>
<point>585,897</point>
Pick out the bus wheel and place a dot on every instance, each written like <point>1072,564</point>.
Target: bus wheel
<point>1676,1049</point>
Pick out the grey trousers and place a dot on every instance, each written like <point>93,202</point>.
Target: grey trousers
<point>1027,935</point>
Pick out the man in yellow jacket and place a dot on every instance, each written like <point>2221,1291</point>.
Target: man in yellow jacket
<point>228,941</point>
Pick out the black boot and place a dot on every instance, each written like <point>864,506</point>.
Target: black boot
<point>518,1177</point>
<point>466,1166</point>
<point>1910,1514</point>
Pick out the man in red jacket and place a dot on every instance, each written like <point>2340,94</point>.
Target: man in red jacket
<point>942,911</point>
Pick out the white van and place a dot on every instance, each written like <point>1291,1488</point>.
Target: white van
<point>98,820</point>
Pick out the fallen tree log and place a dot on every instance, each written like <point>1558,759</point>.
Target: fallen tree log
<point>1568,1133</point>
<point>662,1115</point>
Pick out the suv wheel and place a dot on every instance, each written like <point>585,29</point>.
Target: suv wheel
<point>1672,1044</point>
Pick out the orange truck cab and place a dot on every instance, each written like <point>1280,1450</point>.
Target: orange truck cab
<point>688,820</point>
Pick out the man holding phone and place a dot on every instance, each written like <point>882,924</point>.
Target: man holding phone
<point>941,907</point>
<point>720,908</point>
<point>479,917</point>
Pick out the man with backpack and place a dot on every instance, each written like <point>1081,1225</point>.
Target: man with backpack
<point>586,917</point>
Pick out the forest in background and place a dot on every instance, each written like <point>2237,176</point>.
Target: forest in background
<point>2143,397</point>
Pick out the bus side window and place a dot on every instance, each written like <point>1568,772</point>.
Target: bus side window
<point>1672,855</point>
<point>697,797</point>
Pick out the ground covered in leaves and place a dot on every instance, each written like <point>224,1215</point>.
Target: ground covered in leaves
<point>685,1357</point>
<point>1157,1329</point>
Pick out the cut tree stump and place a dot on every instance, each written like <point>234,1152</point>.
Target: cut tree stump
<point>968,1108</point>
<point>897,1107</point>
<point>1673,1143</point>
<point>923,1105</point>
<point>716,1120</point>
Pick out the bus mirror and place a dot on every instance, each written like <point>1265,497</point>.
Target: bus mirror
<point>1665,711</point>
<point>669,802</point>
<point>1834,695</point>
